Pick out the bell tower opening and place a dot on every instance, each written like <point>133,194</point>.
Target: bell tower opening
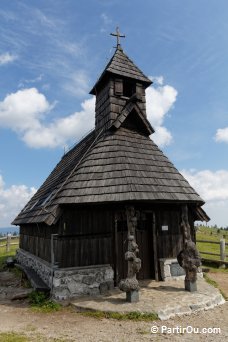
<point>125,87</point>
<point>129,87</point>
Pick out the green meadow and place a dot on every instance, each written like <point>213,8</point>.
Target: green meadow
<point>210,234</point>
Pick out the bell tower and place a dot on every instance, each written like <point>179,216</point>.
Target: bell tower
<point>120,94</point>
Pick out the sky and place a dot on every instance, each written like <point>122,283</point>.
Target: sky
<point>53,51</point>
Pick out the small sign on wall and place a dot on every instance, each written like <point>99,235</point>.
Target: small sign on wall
<point>165,228</point>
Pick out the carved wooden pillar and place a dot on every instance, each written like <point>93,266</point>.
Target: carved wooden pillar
<point>189,257</point>
<point>130,285</point>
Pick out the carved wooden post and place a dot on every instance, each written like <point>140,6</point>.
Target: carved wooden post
<point>130,285</point>
<point>189,257</point>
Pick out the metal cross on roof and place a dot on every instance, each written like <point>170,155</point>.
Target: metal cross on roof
<point>118,35</point>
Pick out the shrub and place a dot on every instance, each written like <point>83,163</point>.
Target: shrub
<point>40,302</point>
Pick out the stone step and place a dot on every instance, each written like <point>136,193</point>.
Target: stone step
<point>36,282</point>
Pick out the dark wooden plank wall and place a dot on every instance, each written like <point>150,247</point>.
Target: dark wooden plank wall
<point>36,239</point>
<point>170,242</point>
<point>86,220</point>
<point>83,251</point>
<point>85,237</point>
<point>192,225</point>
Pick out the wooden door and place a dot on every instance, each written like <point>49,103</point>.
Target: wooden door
<point>144,239</point>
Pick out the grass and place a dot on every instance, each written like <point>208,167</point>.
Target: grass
<point>134,315</point>
<point>208,247</point>
<point>15,337</point>
<point>210,234</point>
<point>4,255</point>
<point>213,283</point>
<point>214,269</point>
<point>12,337</point>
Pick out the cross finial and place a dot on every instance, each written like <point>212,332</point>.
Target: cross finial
<point>118,35</point>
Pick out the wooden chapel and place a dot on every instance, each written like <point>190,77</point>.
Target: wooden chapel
<point>77,219</point>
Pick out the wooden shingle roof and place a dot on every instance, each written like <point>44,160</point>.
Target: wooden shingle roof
<point>121,65</point>
<point>119,166</point>
<point>41,205</point>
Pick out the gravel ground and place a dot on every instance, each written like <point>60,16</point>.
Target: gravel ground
<point>70,326</point>
<point>67,325</point>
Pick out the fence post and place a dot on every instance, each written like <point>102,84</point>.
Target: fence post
<point>222,251</point>
<point>8,238</point>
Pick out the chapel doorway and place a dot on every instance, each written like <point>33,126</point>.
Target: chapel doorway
<point>144,239</point>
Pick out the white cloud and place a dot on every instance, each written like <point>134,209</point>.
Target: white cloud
<point>162,136</point>
<point>222,135</point>
<point>63,130</point>
<point>160,99</point>
<point>26,110</point>
<point>23,110</point>
<point>6,58</point>
<point>12,200</point>
<point>213,188</point>
<point>210,185</point>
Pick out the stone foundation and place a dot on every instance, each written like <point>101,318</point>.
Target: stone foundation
<point>42,268</point>
<point>70,282</point>
<point>170,269</point>
<point>78,281</point>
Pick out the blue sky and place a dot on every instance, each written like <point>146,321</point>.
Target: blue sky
<point>51,54</point>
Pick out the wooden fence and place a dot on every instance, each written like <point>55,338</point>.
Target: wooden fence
<point>8,241</point>
<point>222,261</point>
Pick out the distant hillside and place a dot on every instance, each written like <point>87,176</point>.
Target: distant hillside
<point>11,230</point>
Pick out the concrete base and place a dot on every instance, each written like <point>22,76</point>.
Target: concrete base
<point>170,269</point>
<point>190,286</point>
<point>132,296</point>
<point>166,299</point>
